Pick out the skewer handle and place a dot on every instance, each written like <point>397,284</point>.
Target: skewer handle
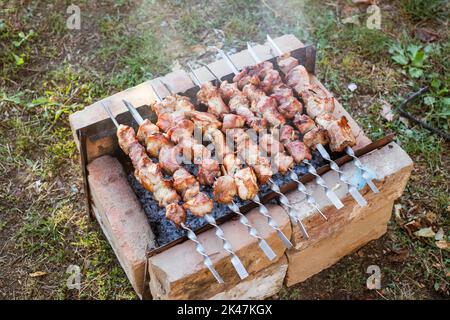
<point>364,169</point>
<point>328,191</point>
<point>272,223</point>
<point>240,269</point>
<point>201,250</point>
<point>253,53</point>
<point>292,212</point>
<point>134,113</point>
<point>253,232</point>
<point>228,61</point>
<point>273,45</point>
<point>108,111</point>
<point>351,187</point>
<point>309,197</point>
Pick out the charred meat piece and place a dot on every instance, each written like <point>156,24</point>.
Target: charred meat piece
<point>304,123</point>
<point>271,79</point>
<point>169,159</point>
<point>231,164</point>
<point>267,107</point>
<point>287,133</point>
<point>316,106</point>
<point>247,149</point>
<point>298,79</point>
<point>204,120</point>
<point>209,170</point>
<point>183,104</point>
<point>290,108</point>
<point>260,70</point>
<point>145,129</point>
<point>169,120</point>
<point>314,137</point>
<point>155,142</point>
<point>220,144</point>
<point>176,214</point>
<point>298,151</point>
<point>228,90</point>
<point>168,105</point>
<point>209,95</point>
<point>244,78</point>
<point>200,205</point>
<point>253,94</point>
<point>231,121</point>
<point>339,132</point>
<point>149,135</point>
<point>182,129</point>
<point>282,93</point>
<point>263,170</point>
<point>246,183</point>
<point>126,137</point>
<point>286,63</point>
<point>200,152</point>
<point>270,144</point>
<point>224,189</point>
<point>185,184</point>
<point>239,104</point>
<point>282,162</point>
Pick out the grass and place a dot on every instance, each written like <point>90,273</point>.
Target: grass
<point>50,72</point>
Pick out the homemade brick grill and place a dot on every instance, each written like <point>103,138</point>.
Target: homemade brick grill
<point>175,270</point>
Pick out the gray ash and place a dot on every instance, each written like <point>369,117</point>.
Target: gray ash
<point>165,231</point>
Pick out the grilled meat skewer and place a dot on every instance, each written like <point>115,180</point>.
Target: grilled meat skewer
<point>149,175</point>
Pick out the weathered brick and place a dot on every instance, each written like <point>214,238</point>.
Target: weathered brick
<point>121,217</point>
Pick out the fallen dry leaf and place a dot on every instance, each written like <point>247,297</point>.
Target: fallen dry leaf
<point>38,274</point>
<point>199,49</point>
<point>430,217</point>
<point>442,244</point>
<point>426,35</point>
<point>439,235</point>
<point>400,255</point>
<point>425,233</point>
<point>412,226</point>
<point>386,111</point>
<point>398,213</point>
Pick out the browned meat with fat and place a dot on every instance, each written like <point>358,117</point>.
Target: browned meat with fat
<point>246,183</point>
<point>224,189</point>
<point>199,205</point>
<point>298,151</point>
<point>176,214</point>
<point>209,170</point>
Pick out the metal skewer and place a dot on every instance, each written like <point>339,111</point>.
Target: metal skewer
<point>235,208</point>
<point>309,197</point>
<point>292,212</point>
<point>201,250</point>
<point>352,189</point>
<point>191,235</point>
<point>331,195</point>
<point>367,175</point>
<point>219,233</point>
<point>262,208</point>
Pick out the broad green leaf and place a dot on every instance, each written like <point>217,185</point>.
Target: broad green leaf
<point>445,102</point>
<point>429,100</point>
<point>37,102</point>
<point>413,50</point>
<point>436,84</point>
<point>19,60</point>
<point>415,72</point>
<point>400,59</point>
<point>419,59</point>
